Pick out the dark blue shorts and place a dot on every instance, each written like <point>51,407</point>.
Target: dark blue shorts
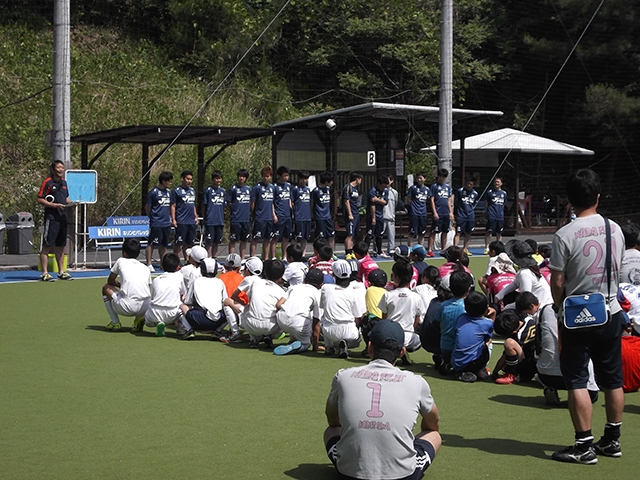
<point>159,236</point>
<point>495,226</point>
<point>283,229</point>
<point>262,229</point>
<point>214,233</point>
<point>199,321</point>
<point>303,230</point>
<point>417,225</point>
<point>239,232</point>
<point>377,230</point>
<point>465,226</point>
<point>425,453</point>
<point>325,229</point>
<point>352,226</point>
<point>184,234</point>
<point>55,233</point>
<point>443,224</point>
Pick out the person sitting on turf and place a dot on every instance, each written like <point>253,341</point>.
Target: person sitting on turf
<point>377,281</point>
<point>203,307</point>
<point>191,270</point>
<point>341,313</point>
<point>428,288</point>
<point>323,261</point>
<point>299,311</point>
<point>131,295</point>
<point>296,270</point>
<point>238,299</point>
<point>503,273</point>
<point>366,264</point>
<point>232,278</point>
<point>430,328</point>
<point>495,248</point>
<point>168,292</point>
<point>472,349</point>
<point>418,253</point>
<point>371,421</point>
<point>456,260</point>
<point>403,252</point>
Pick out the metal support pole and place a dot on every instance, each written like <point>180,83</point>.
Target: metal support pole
<point>445,136</point>
<point>61,122</point>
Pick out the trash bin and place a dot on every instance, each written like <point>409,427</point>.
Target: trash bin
<point>20,233</point>
<point>3,227</point>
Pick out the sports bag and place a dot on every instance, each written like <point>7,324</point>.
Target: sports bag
<point>590,310</point>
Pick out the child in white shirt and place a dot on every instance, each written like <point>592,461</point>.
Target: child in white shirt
<point>168,291</point>
<point>296,271</point>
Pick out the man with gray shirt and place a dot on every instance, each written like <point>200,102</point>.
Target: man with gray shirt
<point>389,217</point>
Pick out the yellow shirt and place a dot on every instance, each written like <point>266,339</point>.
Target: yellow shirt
<point>372,298</point>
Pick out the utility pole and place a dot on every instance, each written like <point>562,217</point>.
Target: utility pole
<point>61,124</point>
<point>445,131</point>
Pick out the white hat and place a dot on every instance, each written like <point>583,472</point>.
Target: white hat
<point>254,265</point>
<point>502,263</point>
<point>233,261</point>
<point>209,267</point>
<point>341,269</point>
<point>197,253</point>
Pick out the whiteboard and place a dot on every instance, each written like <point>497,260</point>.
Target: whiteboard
<point>83,185</point>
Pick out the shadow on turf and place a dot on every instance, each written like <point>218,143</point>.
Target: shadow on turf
<point>311,471</point>
<point>632,409</point>
<point>523,401</point>
<point>501,446</point>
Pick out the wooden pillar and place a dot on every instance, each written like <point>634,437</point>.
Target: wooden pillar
<point>145,177</point>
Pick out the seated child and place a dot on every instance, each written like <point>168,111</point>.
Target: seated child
<point>365,262</point>
<point>428,287</point>
<point>168,291</point>
<point>495,248</point>
<point>472,349</point>
<point>300,309</point>
<point>232,278</point>
<point>191,270</point>
<point>238,298</point>
<point>430,328</point>
<point>503,273</point>
<point>131,295</point>
<point>403,252</point>
<point>418,254</point>
<point>324,262</point>
<point>296,270</point>
<point>377,281</point>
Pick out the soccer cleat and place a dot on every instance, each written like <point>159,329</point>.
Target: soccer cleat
<point>430,254</point>
<point>343,351</point>
<point>573,455</point>
<point>468,253</point>
<point>384,255</point>
<point>160,329</point>
<point>151,268</point>
<point>287,349</point>
<point>551,396</point>
<point>468,377</point>
<point>506,379</point>
<point>329,351</point>
<point>45,277</point>
<point>268,343</point>
<point>253,343</point>
<point>235,338</point>
<point>114,327</point>
<point>65,276</point>
<point>217,335</point>
<point>189,335</point>
<point>484,374</point>
<point>138,324</point>
<point>486,251</point>
<point>610,448</point>
<point>281,336</point>
<point>350,256</point>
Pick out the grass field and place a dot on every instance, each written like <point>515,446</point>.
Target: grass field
<point>77,401</point>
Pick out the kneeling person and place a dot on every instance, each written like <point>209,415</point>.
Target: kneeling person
<point>168,290</point>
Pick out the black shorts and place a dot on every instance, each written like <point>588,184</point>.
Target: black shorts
<point>214,233</point>
<point>262,229</point>
<point>417,225</point>
<point>55,233</point>
<point>283,229</point>
<point>377,230</point>
<point>495,226</point>
<point>443,224</point>
<point>159,236</point>
<point>184,234</point>
<point>303,230</point>
<point>600,344</point>
<point>425,453</point>
<point>352,226</point>
<point>465,226</point>
<point>325,229</point>
<point>240,232</point>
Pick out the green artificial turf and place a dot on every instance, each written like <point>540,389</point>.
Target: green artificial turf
<point>80,402</point>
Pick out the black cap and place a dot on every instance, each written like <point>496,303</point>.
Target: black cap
<point>386,330</point>
<point>314,277</point>
<point>377,278</point>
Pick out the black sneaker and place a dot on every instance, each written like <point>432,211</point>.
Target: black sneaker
<point>343,351</point>
<point>608,448</point>
<point>268,343</point>
<point>468,377</point>
<point>573,455</point>
<point>551,396</point>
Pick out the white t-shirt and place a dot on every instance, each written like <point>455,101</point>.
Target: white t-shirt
<point>527,281</point>
<point>189,274</point>
<point>630,269</point>
<point>303,301</point>
<point>247,282</point>
<point>402,306</point>
<point>263,296</point>
<point>168,289</point>
<point>208,293</point>
<point>427,293</point>
<point>360,295</point>
<point>340,305</point>
<point>135,278</point>
<point>295,273</point>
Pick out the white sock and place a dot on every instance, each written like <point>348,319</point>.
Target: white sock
<point>112,314</point>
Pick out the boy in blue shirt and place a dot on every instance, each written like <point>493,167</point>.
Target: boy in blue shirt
<point>495,199</point>
<point>465,202</point>
<point>417,197</point>
<point>472,349</point>
<point>213,205</point>
<point>158,209</point>
<point>264,215</point>
<point>283,228</point>
<point>184,216</point>
<point>377,198</point>
<point>321,202</point>
<point>301,198</point>
<point>350,204</point>
<point>239,201</point>
<point>442,208</point>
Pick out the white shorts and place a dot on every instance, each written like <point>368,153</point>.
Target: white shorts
<point>411,341</point>
<point>298,328</point>
<point>128,307</point>
<point>348,332</point>
<point>167,315</point>
<point>259,328</point>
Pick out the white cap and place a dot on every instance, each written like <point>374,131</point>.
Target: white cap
<point>197,253</point>
<point>341,269</point>
<point>233,261</point>
<point>254,265</point>
<point>209,267</point>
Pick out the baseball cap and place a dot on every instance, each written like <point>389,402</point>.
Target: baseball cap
<point>314,277</point>
<point>209,267</point>
<point>377,278</point>
<point>502,263</point>
<point>197,253</point>
<point>401,251</point>
<point>341,269</point>
<point>254,265</point>
<point>385,330</point>
<point>419,251</point>
<point>233,261</point>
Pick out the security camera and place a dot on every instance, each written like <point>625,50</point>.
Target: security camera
<point>331,124</point>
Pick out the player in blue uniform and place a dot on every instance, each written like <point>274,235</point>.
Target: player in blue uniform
<point>239,201</point>
<point>442,207</point>
<point>321,203</point>
<point>377,198</point>
<point>301,198</point>
<point>495,199</point>
<point>264,215</point>
<point>417,197</point>
<point>158,209</point>
<point>465,202</point>
<point>184,216</point>
<point>214,201</point>
<point>283,228</point>
<point>350,203</point>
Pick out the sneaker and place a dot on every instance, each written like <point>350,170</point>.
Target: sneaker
<point>281,336</point>
<point>151,268</point>
<point>343,351</point>
<point>506,379</point>
<point>608,448</point>
<point>287,349</point>
<point>468,377</point>
<point>384,255</point>
<point>330,351</point>
<point>45,277</point>
<point>114,327</point>
<point>350,256</point>
<point>484,374</point>
<point>253,343</point>
<point>268,343</point>
<point>138,324</point>
<point>573,455</point>
<point>65,276</point>
<point>217,335</point>
<point>468,253</point>
<point>486,251</point>
<point>430,254</point>
<point>551,396</point>
<point>180,330</point>
<point>235,338</point>
<point>160,329</point>
<point>189,335</point>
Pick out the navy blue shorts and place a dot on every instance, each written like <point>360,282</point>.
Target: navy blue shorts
<point>214,233</point>
<point>283,229</point>
<point>495,226</point>
<point>262,229</point>
<point>443,224</point>
<point>55,233</point>
<point>239,232</point>
<point>159,236</point>
<point>199,321</point>
<point>377,230</point>
<point>425,453</point>
<point>325,229</point>
<point>465,226</point>
<point>184,234</point>
<point>417,225</point>
<point>352,226</point>
<point>303,230</point>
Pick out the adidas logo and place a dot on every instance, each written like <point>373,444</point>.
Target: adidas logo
<point>585,316</point>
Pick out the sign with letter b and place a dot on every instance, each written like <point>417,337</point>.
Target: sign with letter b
<point>371,158</point>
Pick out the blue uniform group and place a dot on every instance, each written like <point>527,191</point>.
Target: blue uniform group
<point>282,205</point>
<point>184,200</point>
<point>464,209</point>
<point>214,201</point>
<point>159,204</point>
<point>239,199</point>
<point>418,197</point>
<point>496,201</point>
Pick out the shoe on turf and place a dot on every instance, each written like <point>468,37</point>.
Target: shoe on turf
<point>350,256</point>
<point>160,329</point>
<point>384,255</point>
<point>64,276</point>
<point>281,336</point>
<point>138,324</point>
<point>343,351</point>
<point>468,377</point>
<point>287,349</point>
<point>114,327</point>
<point>430,254</point>
<point>151,268</point>
<point>253,343</point>
<point>506,379</point>
<point>608,448</point>
<point>189,335</point>
<point>217,335</point>
<point>234,338</point>
<point>329,351</point>
<point>486,251</point>
<point>573,455</point>
<point>484,374</point>
<point>469,254</point>
<point>268,343</point>
<point>551,396</point>
<point>46,277</point>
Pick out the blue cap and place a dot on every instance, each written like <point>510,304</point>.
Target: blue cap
<point>419,251</point>
<point>386,330</point>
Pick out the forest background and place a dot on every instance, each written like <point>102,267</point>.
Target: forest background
<point>158,61</point>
